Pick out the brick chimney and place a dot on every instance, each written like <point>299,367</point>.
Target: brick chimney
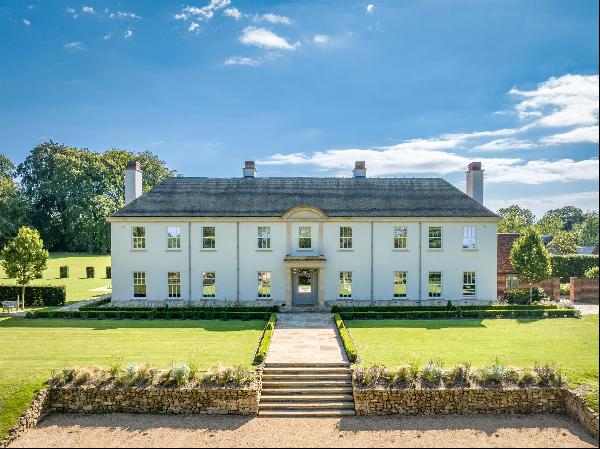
<point>360,169</point>
<point>475,182</point>
<point>249,169</point>
<point>133,181</point>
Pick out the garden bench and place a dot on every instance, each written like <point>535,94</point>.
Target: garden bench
<point>7,306</point>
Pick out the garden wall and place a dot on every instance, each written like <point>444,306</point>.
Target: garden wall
<point>584,290</point>
<point>36,411</point>
<point>155,400</point>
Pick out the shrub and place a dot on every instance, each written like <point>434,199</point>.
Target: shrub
<point>511,375</point>
<point>591,272</point>
<point>90,272</point>
<point>108,272</point>
<point>265,342</point>
<point>548,375</point>
<point>494,373</point>
<point>405,374</point>
<point>375,375</point>
<point>115,367</point>
<point>573,265</point>
<point>521,296</point>
<point>35,296</point>
<point>433,372</point>
<point>347,341</point>
<point>179,374</point>
<point>565,289</point>
<point>64,271</point>
<point>237,376</point>
<point>459,375</point>
<point>527,377</point>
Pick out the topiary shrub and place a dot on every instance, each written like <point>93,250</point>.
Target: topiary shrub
<point>64,271</point>
<point>90,272</point>
<point>108,272</point>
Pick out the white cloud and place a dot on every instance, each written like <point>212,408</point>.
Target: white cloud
<point>26,22</point>
<point>194,26</point>
<point>370,8</point>
<point>74,46</point>
<point>204,13</point>
<point>72,12</point>
<point>233,13</point>
<point>320,39</point>
<point>540,204</point>
<point>128,34</point>
<point>88,10</point>
<point>583,134</point>
<point>122,15</point>
<point>242,60</point>
<point>570,100</point>
<point>263,38</point>
<point>273,18</point>
<point>543,171</point>
<point>506,144</point>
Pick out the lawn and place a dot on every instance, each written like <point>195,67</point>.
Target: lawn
<point>32,349</point>
<point>78,287</point>
<point>572,344</point>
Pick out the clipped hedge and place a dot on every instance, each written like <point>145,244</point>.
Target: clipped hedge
<point>64,271</point>
<point>458,314</point>
<point>90,272</point>
<point>349,346</point>
<point>340,308</point>
<point>572,265</point>
<point>108,272</point>
<point>35,296</point>
<point>104,305</point>
<point>265,342</point>
<point>156,314</point>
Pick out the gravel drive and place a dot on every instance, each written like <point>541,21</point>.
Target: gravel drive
<point>123,430</point>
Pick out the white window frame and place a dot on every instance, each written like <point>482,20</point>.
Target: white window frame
<point>510,277</point>
<point>441,238</point>
<point>405,273</point>
<point>136,283</point>
<point>469,233</point>
<point>176,239</point>
<point>345,240</point>
<point>400,238</point>
<point>264,284</point>
<point>343,280</point>
<point>135,239</point>
<point>206,283</point>
<point>173,287</point>
<point>300,238</point>
<point>263,242</point>
<point>474,284</point>
<point>429,294</point>
<point>213,238</point>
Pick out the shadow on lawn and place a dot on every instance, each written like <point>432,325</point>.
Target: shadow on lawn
<point>102,325</point>
<point>415,324</point>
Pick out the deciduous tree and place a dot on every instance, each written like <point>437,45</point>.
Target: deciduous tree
<point>530,258</point>
<point>515,219</point>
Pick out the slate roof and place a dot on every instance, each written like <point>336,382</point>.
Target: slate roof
<point>272,197</point>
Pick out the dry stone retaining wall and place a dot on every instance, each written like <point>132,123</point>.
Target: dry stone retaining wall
<point>36,411</point>
<point>577,409</point>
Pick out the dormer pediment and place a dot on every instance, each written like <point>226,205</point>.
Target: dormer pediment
<point>305,213</point>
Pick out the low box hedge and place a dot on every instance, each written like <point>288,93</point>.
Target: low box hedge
<point>265,341</point>
<point>347,341</point>
<point>458,314</point>
<point>104,305</point>
<point>35,296</point>
<point>341,308</point>
<point>156,314</point>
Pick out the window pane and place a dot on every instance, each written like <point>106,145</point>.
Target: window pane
<point>400,237</point>
<point>139,284</point>
<point>512,282</point>
<point>469,283</point>
<point>139,237</point>
<point>469,237</point>
<point>174,284</point>
<point>435,284</point>
<point>304,237</point>
<point>209,286</point>
<point>208,237</point>
<point>400,284</point>
<point>174,237</point>
<point>345,287</point>
<point>435,237</point>
<point>264,284</point>
<point>304,284</point>
<point>264,237</point>
<point>345,237</point>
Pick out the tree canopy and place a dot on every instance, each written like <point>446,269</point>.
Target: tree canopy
<point>564,242</point>
<point>530,258</point>
<point>568,215</point>
<point>515,219</point>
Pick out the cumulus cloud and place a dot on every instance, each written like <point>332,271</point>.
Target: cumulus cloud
<point>544,171</point>
<point>233,13</point>
<point>26,22</point>
<point>506,144</point>
<point>264,38</point>
<point>273,18</point>
<point>128,34</point>
<point>204,13</point>
<point>583,134</point>
<point>88,10</point>
<point>71,12</point>
<point>122,15</point>
<point>242,60</point>
<point>587,200</point>
<point>194,27</point>
<point>320,39</point>
<point>74,46</point>
<point>370,8</point>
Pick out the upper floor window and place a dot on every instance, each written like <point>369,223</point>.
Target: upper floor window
<point>469,237</point>
<point>435,284</point>
<point>138,237</point>
<point>264,284</point>
<point>469,283</point>
<point>400,237</point>
<point>399,284</point>
<point>208,237</point>
<point>139,284</point>
<point>435,237</point>
<point>209,284</point>
<point>174,284</point>
<point>264,237</point>
<point>345,286</point>
<point>173,237</point>
<point>304,237</point>
<point>345,237</point>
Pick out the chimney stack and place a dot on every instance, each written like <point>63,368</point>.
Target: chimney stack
<point>249,169</point>
<point>475,182</point>
<point>133,181</point>
<point>360,169</point>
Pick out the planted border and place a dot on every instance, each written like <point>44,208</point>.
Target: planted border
<point>265,341</point>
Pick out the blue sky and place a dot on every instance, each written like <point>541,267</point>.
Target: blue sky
<point>307,87</point>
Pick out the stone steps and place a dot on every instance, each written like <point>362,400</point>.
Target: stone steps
<point>306,389</point>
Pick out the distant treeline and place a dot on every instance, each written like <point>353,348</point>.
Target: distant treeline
<point>66,193</point>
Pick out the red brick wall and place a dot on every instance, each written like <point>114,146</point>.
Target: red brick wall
<point>583,289</point>
<point>551,287</point>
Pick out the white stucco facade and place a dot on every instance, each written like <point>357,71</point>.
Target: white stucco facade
<point>236,258</point>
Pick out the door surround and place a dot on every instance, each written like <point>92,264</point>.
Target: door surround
<point>309,263</point>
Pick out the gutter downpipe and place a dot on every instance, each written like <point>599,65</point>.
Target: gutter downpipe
<point>372,297</point>
<point>237,244</point>
<point>190,261</point>
<point>420,262</point>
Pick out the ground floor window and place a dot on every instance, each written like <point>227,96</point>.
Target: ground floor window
<point>209,284</point>
<point>512,282</point>
<point>174,284</point>
<point>264,284</point>
<point>469,283</point>
<point>345,287</point>
<point>435,284</point>
<point>139,284</point>
<point>399,284</point>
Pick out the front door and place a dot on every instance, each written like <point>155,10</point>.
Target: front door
<point>305,288</point>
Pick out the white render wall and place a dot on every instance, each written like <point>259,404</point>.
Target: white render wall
<point>156,260</point>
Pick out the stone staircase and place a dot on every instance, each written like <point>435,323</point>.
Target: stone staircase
<point>306,389</point>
